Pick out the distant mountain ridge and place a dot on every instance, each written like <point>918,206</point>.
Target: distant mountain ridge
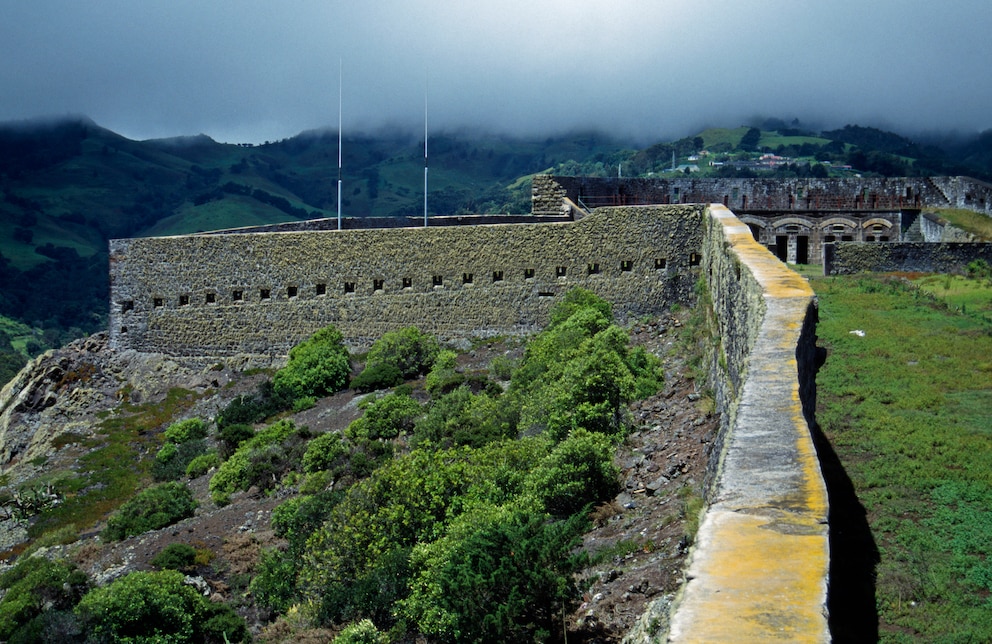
<point>69,185</point>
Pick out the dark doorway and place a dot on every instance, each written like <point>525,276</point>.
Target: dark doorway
<point>782,247</point>
<point>802,249</point>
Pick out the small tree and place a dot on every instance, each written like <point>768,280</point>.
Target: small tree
<point>409,350</point>
<point>316,367</point>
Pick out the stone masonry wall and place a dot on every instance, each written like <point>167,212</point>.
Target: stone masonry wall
<point>848,258</point>
<point>261,293</point>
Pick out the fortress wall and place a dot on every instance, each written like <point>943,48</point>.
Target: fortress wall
<point>758,571</point>
<point>367,282</point>
<point>848,258</point>
<point>743,194</point>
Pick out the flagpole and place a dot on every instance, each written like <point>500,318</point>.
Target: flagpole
<point>425,153</point>
<point>339,143</point>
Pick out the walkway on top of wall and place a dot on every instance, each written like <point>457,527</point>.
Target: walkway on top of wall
<point>760,564</point>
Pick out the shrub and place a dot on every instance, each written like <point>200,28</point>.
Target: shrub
<point>202,464</point>
<point>33,586</point>
<point>363,632</point>
<point>377,376</point>
<point>153,508</point>
<point>186,430</point>
<point>253,408</point>
<point>497,576</point>
<point>175,556</point>
<point>316,367</point>
<point>578,472</point>
<point>324,452</point>
<point>443,377</point>
<point>156,607</point>
<point>575,300</point>
<point>409,350</point>
<point>258,460</point>
<point>173,460</point>
<point>231,436</point>
<point>390,416</point>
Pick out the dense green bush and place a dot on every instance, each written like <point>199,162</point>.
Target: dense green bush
<point>316,367</point>
<point>152,508</point>
<point>36,585</point>
<point>499,575</point>
<point>231,437</point>
<point>172,461</point>
<point>377,376</point>
<point>186,430</point>
<point>409,350</point>
<point>175,556</point>
<point>578,472</point>
<point>443,377</point>
<point>362,632</point>
<point>156,607</point>
<point>463,418</point>
<point>324,452</point>
<point>202,464</point>
<point>260,461</point>
<point>386,417</point>
<point>253,408</point>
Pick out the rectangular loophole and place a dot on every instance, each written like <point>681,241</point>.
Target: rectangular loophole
<point>407,282</point>
<point>237,296</point>
<point>626,266</point>
<point>321,289</point>
<point>660,263</point>
<point>437,280</point>
<point>528,273</point>
<point>377,285</point>
<point>545,294</point>
<point>695,259</point>
<point>592,269</point>
<point>157,302</point>
<point>349,287</point>
<point>264,294</point>
<point>292,291</point>
<point>127,305</point>
<point>184,300</point>
<point>497,276</point>
<point>467,278</point>
<point>561,271</point>
<point>211,298</point>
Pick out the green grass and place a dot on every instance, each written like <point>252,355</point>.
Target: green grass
<point>774,139</point>
<point>906,407</point>
<point>117,467</point>
<point>973,222</point>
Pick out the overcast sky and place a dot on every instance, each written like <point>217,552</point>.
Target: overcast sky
<point>256,70</point>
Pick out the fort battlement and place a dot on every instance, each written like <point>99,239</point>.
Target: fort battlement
<point>759,570</point>
<point>259,293</point>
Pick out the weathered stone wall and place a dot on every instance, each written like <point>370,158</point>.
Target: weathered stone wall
<point>848,259</point>
<point>758,571</point>
<point>261,293</point>
<point>936,229</point>
<point>743,195</point>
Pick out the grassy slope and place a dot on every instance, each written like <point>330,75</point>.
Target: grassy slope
<point>907,409</point>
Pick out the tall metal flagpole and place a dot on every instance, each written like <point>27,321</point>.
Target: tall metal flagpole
<point>425,153</point>
<point>339,143</point>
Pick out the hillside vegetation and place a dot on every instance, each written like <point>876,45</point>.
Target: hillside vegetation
<point>451,505</point>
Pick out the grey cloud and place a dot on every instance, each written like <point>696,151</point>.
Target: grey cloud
<point>256,70</point>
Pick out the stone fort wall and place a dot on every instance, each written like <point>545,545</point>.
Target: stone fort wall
<point>250,293</point>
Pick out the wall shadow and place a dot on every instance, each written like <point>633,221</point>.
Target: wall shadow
<point>853,553</point>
